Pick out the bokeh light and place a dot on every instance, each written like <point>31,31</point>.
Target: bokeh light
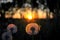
<point>12,28</point>
<point>6,36</point>
<point>32,25</point>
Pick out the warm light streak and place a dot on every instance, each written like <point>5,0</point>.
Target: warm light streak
<point>29,14</point>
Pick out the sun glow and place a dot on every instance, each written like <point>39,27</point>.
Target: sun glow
<point>29,14</point>
<point>29,17</point>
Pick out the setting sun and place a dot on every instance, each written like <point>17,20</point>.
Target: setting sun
<point>30,17</point>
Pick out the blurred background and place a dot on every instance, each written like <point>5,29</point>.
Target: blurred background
<point>50,25</point>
